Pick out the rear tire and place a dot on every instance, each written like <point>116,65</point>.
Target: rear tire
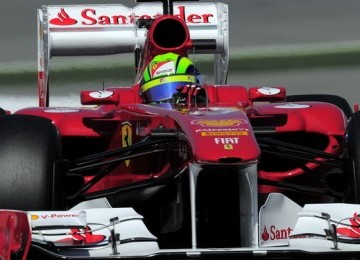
<point>332,99</point>
<point>353,152</point>
<point>29,146</point>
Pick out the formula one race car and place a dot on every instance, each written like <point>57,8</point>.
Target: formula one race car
<point>172,166</point>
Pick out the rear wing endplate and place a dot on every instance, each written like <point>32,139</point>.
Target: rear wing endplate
<point>82,30</point>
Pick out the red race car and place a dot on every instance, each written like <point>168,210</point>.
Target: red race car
<point>173,166</point>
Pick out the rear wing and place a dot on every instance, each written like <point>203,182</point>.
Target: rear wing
<point>82,30</point>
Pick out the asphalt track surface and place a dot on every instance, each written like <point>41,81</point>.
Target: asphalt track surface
<point>253,24</point>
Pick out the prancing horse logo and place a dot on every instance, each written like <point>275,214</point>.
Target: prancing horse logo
<point>126,135</point>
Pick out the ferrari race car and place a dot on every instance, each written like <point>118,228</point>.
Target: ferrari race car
<point>216,170</point>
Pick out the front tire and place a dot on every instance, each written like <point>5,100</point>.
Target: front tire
<point>29,146</point>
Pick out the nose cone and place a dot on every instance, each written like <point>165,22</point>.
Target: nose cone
<point>222,138</point>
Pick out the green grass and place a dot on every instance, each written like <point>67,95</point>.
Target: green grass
<point>241,60</point>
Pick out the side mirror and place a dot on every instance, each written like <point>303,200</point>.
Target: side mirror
<point>100,97</point>
<point>267,94</point>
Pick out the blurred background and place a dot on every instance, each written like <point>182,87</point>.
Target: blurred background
<point>308,46</point>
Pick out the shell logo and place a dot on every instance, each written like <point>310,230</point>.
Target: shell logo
<point>219,123</point>
<point>34,217</point>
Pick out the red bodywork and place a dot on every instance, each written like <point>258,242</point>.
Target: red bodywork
<point>228,120</point>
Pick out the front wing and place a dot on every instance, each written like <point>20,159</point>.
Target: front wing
<point>94,230</point>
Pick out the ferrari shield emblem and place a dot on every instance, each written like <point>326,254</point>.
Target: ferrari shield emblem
<point>228,146</point>
<point>126,135</point>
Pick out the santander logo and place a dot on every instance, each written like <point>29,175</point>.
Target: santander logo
<point>92,16</point>
<point>63,19</point>
<point>275,233</point>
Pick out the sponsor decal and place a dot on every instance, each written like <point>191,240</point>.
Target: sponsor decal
<point>63,19</point>
<point>57,218</point>
<point>54,215</point>
<point>162,68</point>
<point>219,123</point>
<point>126,135</point>
<point>265,235</point>
<point>275,233</point>
<point>269,91</point>
<point>292,106</point>
<point>226,140</point>
<point>235,129</point>
<point>101,94</point>
<point>224,133</point>
<point>108,16</point>
<point>34,217</point>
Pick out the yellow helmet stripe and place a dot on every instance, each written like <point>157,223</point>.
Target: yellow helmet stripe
<point>168,79</point>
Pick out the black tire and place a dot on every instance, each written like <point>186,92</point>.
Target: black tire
<point>353,152</point>
<point>29,146</point>
<point>332,99</point>
<point>2,112</point>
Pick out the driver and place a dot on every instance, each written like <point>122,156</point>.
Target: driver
<point>169,78</point>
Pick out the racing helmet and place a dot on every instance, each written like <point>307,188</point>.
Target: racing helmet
<point>164,75</point>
